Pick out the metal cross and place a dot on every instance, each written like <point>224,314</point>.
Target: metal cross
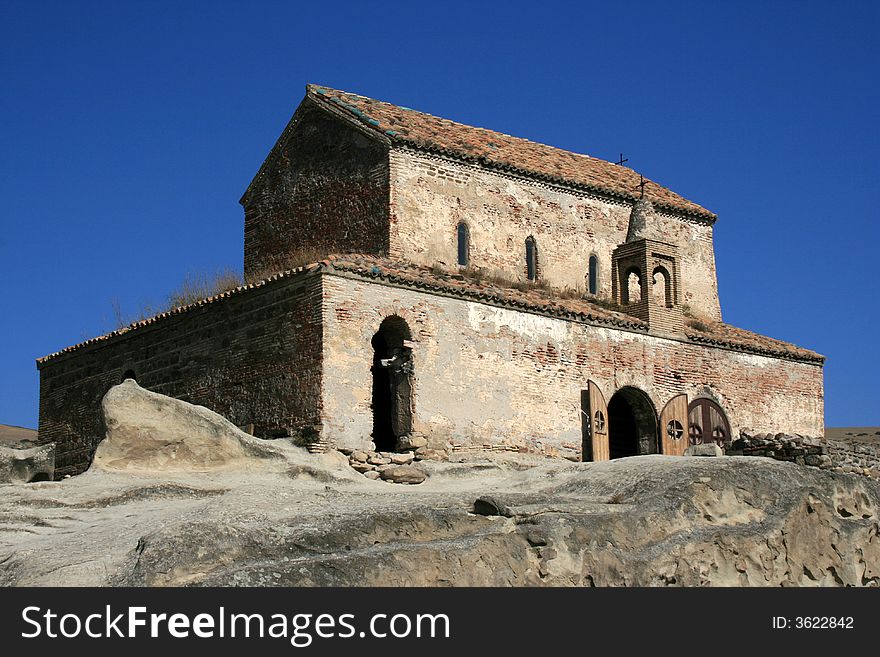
<point>642,183</point>
<point>622,159</point>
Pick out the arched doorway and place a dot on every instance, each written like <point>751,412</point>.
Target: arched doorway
<point>392,383</point>
<point>632,424</point>
<point>707,423</point>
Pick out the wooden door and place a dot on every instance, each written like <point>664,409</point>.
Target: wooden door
<point>707,423</point>
<point>673,420</point>
<point>594,423</point>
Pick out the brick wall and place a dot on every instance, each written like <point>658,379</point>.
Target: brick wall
<point>430,195</point>
<point>254,357</point>
<point>510,379</point>
<point>323,189</point>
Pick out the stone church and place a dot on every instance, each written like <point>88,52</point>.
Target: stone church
<point>410,276</point>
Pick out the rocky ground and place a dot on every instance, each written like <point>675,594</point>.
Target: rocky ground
<point>267,513</point>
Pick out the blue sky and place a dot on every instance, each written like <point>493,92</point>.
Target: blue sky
<point>129,131</point>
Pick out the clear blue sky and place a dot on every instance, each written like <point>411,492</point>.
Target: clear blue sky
<point>130,129</point>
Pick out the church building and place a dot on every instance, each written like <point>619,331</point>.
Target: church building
<point>414,281</point>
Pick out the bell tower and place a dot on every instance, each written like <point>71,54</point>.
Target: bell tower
<point>645,279</point>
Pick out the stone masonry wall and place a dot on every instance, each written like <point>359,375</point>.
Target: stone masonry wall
<point>430,195</point>
<point>839,455</point>
<point>254,357</point>
<point>324,189</point>
<point>509,379</point>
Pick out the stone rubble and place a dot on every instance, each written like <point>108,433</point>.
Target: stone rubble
<point>396,467</point>
<point>836,455</point>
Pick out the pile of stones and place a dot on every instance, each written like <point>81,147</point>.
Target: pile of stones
<point>794,448</point>
<point>834,455</point>
<point>395,467</point>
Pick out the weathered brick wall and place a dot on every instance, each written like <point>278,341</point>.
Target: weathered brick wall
<point>254,357</point>
<point>486,375</point>
<point>431,195</point>
<point>839,455</point>
<point>323,189</point>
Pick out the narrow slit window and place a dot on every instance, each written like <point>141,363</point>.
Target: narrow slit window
<point>531,259</point>
<point>593,274</point>
<point>463,244</point>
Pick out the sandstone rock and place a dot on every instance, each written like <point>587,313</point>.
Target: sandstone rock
<point>428,454</point>
<point>402,459</point>
<point>706,449</point>
<point>359,455</point>
<point>21,466</point>
<point>147,431</point>
<point>489,506</point>
<point>412,441</point>
<point>362,467</point>
<point>404,474</point>
<point>642,521</point>
<point>372,474</point>
<point>378,460</point>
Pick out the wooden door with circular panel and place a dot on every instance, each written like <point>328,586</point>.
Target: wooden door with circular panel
<point>707,423</point>
<point>594,424</point>
<point>673,420</point>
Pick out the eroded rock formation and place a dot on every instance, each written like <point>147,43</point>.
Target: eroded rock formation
<point>249,512</point>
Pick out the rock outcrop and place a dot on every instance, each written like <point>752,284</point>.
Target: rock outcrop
<point>20,466</point>
<point>640,521</point>
<point>210,505</point>
<point>147,431</point>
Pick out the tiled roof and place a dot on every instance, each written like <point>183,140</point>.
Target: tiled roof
<point>531,299</point>
<point>408,127</point>
<point>732,337</point>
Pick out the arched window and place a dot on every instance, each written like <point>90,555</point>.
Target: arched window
<point>632,290</point>
<point>661,288</point>
<point>593,275</point>
<point>464,244</point>
<point>531,259</point>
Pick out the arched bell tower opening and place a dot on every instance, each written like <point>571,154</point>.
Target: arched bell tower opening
<point>632,424</point>
<point>661,287</point>
<point>632,290</point>
<point>645,278</point>
<point>392,383</point>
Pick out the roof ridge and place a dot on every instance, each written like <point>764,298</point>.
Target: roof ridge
<point>469,125</point>
<point>538,160</point>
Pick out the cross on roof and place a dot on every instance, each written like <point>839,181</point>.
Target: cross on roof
<point>641,185</point>
<point>622,159</point>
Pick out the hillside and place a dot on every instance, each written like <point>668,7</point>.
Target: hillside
<point>12,436</point>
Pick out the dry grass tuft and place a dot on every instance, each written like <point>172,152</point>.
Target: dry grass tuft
<point>198,286</point>
<point>195,287</point>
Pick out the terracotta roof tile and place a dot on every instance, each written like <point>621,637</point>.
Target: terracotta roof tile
<point>726,335</point>
<point>532,299</point>
<point>408,127</point>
